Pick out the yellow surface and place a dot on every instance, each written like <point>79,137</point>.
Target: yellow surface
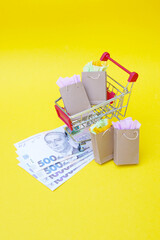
<point>40,41</point>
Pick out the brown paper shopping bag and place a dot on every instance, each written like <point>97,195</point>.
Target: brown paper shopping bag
<point>126,146</point>
<point>95,86</point>
<point>102,144</point>
<point>75,98</point>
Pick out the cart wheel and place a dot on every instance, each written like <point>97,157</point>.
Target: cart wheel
<point>66,134</point>
<point>80,148</point>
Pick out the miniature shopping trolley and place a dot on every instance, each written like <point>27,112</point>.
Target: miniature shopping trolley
<point>116,104</point>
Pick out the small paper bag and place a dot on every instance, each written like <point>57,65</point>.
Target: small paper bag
<point>126,146</point>
<point>102,144</point>
<point>75,98</point>
<point>95,86</point>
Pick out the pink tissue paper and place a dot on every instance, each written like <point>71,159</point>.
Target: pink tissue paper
<point>126,123</point>
<point>62,82</point>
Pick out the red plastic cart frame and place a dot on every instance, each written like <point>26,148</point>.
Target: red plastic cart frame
<point>64,117</point>
<point>132,75</point>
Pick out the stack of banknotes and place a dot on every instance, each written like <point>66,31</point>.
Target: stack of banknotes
<point>52,157</point>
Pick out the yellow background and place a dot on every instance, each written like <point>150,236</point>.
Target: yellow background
<point>40,41</point>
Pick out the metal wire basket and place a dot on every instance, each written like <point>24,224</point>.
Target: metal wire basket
<point>115,106</point>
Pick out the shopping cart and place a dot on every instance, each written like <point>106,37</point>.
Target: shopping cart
<point>115,106</point>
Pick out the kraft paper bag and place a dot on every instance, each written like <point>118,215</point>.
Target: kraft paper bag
<point>75,98</point>
<point>126,146</point>
<point>95,86</point>
<point>102,144</point>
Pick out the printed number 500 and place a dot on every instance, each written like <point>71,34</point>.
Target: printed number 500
<point>42,163</point>
<point>53,168</point>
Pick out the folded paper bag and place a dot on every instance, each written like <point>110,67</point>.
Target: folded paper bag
<point>75,98</point>
<point>126,146</point>
<point>95,86</point>
<point>102,144</point>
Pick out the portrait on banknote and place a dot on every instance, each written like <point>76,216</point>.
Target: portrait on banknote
<point>59,143</point>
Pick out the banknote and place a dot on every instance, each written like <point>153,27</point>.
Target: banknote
<point>50,163</point>
<point>62,175</point>
<point>49,171</point>
<point>52,156</point>
<point>43,149</point>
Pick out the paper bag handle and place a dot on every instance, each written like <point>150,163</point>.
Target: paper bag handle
<point>71,84</point>
<point>131,138</point>
<point>94,77</point>
<point>106,131</point>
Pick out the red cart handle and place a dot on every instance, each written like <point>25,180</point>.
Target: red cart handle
<point>133,75</point>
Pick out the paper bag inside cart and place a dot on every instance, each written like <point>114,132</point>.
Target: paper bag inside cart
<point>75,98</point>
<point>95,86</point>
